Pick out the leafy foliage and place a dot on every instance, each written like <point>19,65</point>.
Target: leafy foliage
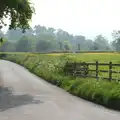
<point>116,42</point>
<point>24,42</point>
<point>18,11</point>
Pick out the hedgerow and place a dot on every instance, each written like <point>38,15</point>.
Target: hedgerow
<point>51,69</point>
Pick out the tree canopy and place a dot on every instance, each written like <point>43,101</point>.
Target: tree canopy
<point>19,12</point>
<point>116,42</point>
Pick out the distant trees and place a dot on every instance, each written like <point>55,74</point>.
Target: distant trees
<point>116,42</point>
<point>78,46</point>
<point>67,45</point>
<point>89,44</point>
<point>79,40</point>
<point>43,46</point>
<point>42,39</point>
<point>100,43</point>
<point>8,47</point>
<point>60,45</point>
<point>14,35</point>
<point>23,45</point>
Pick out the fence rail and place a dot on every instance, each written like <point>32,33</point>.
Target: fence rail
<point>82,69</point>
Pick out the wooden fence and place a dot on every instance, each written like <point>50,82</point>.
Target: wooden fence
<point>82,69</point>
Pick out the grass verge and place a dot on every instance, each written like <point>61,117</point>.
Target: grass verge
<point>50,68</point>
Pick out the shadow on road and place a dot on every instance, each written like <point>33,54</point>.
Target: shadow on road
<point>9,100</point>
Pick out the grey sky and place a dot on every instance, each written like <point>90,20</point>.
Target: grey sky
<point>86,17</point>
<point>79,17</point>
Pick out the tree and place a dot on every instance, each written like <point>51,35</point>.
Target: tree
<point>96,46</point>
<point>60,45</point>
<point>63,35</point>
<point>40,30</point>
<point>14,35</point>
<point>116,42</point>
<point>43,46</point>
<point>89,44</point>
<point>79,39</point>
<point>29,32</point>
<point>23,45</point>
<point>78,46</point>
<point>19,13</point>
<point>51,31</point>
<point>116,34</point>
<point>8,47</point>
<point>67,45</point>
<point>100,43</point>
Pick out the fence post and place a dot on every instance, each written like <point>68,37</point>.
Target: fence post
<point>110,71</point>
<point>74,69</point>
<point>97,69</point>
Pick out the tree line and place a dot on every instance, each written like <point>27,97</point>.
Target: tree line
<point>43,39</point>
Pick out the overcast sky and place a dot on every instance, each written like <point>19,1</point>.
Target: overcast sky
<point>85,17</point>
<point>79,17</point>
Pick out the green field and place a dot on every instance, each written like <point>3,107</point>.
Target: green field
<point>61,58</point>
<point>101,58</point>
<point>50,67</point>
<point>91,57</point>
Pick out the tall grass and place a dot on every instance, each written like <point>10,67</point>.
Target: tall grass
<point>50,67</point>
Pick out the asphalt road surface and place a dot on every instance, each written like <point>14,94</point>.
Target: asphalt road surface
<point>27,97</point>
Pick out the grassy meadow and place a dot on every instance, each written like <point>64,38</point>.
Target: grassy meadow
<point>50,67</point>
